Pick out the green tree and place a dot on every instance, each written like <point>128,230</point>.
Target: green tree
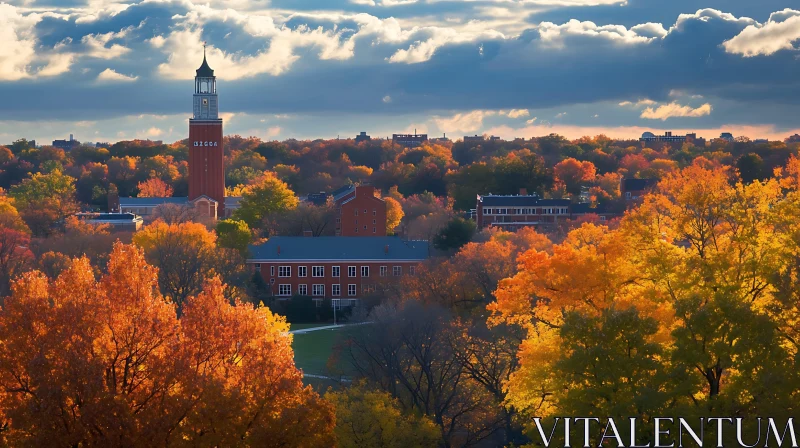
<point>456,233</point>
<point>750,168</point>
<point>268,197</point>
<point>233,234</point>
<point>44,199</point>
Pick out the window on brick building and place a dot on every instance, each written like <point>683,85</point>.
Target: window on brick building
<point>272,271</point>
<point>284,290</point>
<point>284,271</point>
<point>351,290</point>
<point>412,270</point>
<point>336,290</point>
<point>318,271</point>
<point>335,271</point>
<point>351,271</point>
<point>318,290</point>
<point>397,271</point>
<point>384,271</point>
<point>302,271</point>
<point>302,290</point>
<point>365,271</point>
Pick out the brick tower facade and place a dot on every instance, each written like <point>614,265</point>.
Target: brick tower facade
<point>206,153</point>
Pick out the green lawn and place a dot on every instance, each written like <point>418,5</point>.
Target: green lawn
<point>293,327</point>
<point>312,350</point>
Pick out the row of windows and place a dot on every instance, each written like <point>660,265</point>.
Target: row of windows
<point>374,212</point>
<point>319,290</point>
<point>526,211</point>
<point>319,271</point>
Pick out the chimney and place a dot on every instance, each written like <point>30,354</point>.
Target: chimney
<point>279,250</point>
<point>308,233</point>
<point>523,191</point>
<point>386,249</point>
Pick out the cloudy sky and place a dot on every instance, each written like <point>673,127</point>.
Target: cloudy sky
<point>107,70</point>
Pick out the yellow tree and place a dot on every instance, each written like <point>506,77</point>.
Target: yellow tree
<point>184,254</point>
<point>367,418</point>
<point>394,213</point>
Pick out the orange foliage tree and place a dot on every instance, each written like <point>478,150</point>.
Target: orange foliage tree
<point>154,188</point>
<point>573,174</point>
<point>108,363</point>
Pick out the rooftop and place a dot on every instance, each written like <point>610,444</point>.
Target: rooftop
<point>108,216</point>
<point>520,201</point>
<point>205,71</point>
<point>334,248</point>
<point>151,202</point>
<point>638,184</point>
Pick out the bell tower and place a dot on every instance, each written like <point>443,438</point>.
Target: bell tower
<point>206,153</point>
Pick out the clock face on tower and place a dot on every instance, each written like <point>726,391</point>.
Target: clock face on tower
<point>205,101</point>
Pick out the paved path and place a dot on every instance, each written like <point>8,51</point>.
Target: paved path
<point>327,327</point>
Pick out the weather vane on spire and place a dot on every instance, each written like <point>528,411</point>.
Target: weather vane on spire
<point>205,42</point>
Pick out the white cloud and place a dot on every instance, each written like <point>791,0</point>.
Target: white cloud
<point>463,122</point>
<point>422,51</point>
<point>531,121</point>
<point>387,99</point>
<point>18,43</point>
<point>640,103</point>
<point>555,35</point>
<point>153,132</point>
<point>109,75</point>
<point>779,33</point>
<point>561,115</point>
<point>274,131</point>
<point>670,110</point>
<point>518,113</point>
<point>707,14</point>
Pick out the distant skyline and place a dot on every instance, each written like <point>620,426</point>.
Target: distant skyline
<point>108,70</point>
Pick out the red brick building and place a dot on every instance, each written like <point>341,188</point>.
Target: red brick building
<point>340,268</point>
<point>360,213</point>
<point>206,159</point>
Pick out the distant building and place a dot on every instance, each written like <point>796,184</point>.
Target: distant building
<point>633,189</point>
<point>317,199</point>
<point>727,136</point>
<point>494,138</point>
<point>760,141</point>
<point>146,206</point>
<point>442,139</point>
<point>66,145</point>
<point>363,137</point>
<point>338,268</point>
<point>513,212</point>
<point>409,140</point>
<point>793,139</point>
<point>668,137</point>
<point>474,139</point>
<point>118,221</point>
<point>102,145</point>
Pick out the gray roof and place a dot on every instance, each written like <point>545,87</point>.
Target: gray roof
<point>232,201</point>
<point>333,248</point>
<point>522,201</point>
<point>339,193</point>
<point>151,202</point>
<point>638,184</point>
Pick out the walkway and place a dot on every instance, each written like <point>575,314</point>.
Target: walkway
<point>327,327</point>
